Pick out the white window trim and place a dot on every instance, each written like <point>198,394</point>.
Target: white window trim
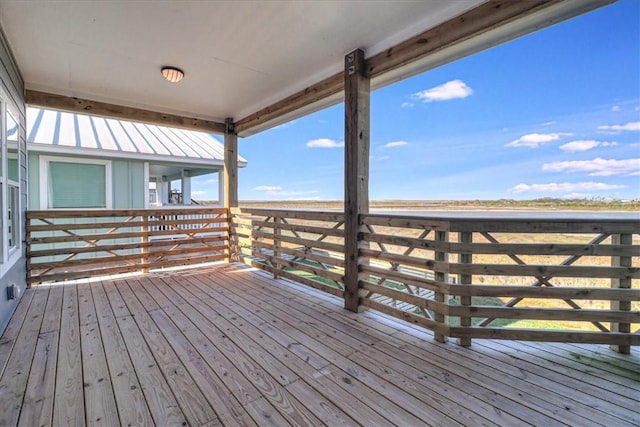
<point>145,183</point>
<point>8,256</point>
<point>44,178</point>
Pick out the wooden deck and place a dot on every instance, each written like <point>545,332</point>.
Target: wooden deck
<point>227,345</point>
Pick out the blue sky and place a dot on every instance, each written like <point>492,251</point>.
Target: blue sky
<point>552,114</point>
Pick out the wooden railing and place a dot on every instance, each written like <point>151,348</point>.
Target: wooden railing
<point>69,244</point>
<point>304,246</point>
<point>506,278</point>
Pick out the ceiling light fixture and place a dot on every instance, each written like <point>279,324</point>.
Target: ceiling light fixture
<point>172,74</point>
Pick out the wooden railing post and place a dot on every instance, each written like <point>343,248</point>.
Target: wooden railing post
<point>465,279</point>
<point>441,275</point>
<point>27,242</point>
<point>232,250</point>
<point>145,241</point>
<point>621,261</point>
<point>276,246</point>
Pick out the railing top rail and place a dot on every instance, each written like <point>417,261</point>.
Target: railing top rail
<point>76,213</point>
<point>291,213</point>
<point>514,221</point>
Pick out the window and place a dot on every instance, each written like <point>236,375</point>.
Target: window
<point>67,183</point>
<point>13,184</point>
<point>10,211</point>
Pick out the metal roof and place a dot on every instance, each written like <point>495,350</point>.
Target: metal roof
<point>66,133</point>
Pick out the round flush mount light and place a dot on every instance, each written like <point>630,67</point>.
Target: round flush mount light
<point>172,74</point>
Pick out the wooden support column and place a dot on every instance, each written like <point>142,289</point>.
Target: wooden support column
<point>356,168</point>
<point>229,176</point>
<point>230,165</point>
<point>621,261</point>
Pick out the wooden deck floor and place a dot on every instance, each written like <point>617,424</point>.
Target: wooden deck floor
<point>227,345</point>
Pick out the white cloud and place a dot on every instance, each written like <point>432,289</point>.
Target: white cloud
<point>563,187</point>
<point>553,122</point>
<point>596,167</point>
<point>394,144</point>
<point>379,158</point>
<point>199,193</point>
<point>615,108</point>
<point>268,188</point>
<point>407,105</point>
<point>629,127</point>
<point>585,145</point>
<point>324,143</point>
<point>450,90</point>
<point>534,140</point>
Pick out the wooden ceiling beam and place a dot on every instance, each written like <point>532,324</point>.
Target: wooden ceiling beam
<point>120,112</point>
<point>323,89</point>
<point>473,23</point>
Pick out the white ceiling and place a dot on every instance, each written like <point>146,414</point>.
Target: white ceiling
<point>238,56</point>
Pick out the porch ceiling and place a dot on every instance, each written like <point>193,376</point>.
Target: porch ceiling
<point>238,57</point>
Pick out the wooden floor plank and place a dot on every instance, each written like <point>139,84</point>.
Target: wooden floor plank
<point>192,402</point>
<point>118,306</point>
<point>132,405</point>
<point>100,403</point>
<point>566,394</point>
<point>369,393</point>
<point>506,391</point>
<point>53,310</point>
<point>265,414</point>
<point>68,405</point>
<point>143,302</point>
<point>624,371</point>
<point>276,342</point>
<point>240,351</point>
<point>228,345</point>
<point>162,404</point>
<point>37,408</point>
<point>13,328</point>
<point>257,353</point>
<point>399,395</point>
<point>229,410</point>
<point>14,379</point>
<point>86,307</point>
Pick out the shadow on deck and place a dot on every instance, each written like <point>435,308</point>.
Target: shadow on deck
<point>228,345</point>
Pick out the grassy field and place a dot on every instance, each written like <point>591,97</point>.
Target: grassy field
<point>503,204</point>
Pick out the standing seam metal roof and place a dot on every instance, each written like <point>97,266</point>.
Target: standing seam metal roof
<point>102,137</point>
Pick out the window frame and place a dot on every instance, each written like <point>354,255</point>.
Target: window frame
<point>44,179</point>
<point>9,255</point>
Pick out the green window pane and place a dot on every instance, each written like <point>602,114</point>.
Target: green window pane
<point>75,185</point>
